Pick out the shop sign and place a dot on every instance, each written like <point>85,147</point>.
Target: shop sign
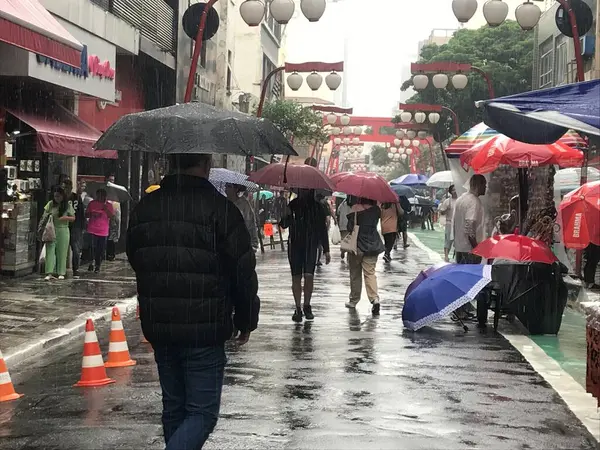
<point>90,66</point>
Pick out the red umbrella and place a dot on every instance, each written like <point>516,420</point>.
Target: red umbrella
<point>486,156</point>
<point>516,248</point>
<point>365,185</point>
<point>580,213</point>
<point>299,176</point>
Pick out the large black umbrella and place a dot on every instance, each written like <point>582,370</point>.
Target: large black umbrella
<point>194,128</point>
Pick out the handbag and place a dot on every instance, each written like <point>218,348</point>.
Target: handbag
<point>49,234</point>
<point>336,236</point>
<point>350,242</point>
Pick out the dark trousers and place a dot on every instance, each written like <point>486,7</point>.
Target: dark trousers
<point>110,250</point>
<point>98,249</point>
<point>76,243</point>
<point>191,380</point>
<point>389,239</point>
<point>470,258</point>
<point>592,258</point>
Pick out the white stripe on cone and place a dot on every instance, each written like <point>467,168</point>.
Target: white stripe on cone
<point>5,378</point>
<point>118,347</point>
<point>90,336</point>
<point>117,325</point>
<point>92,361</point>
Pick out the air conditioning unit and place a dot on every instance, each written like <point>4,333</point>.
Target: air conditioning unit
<point>588,45</point>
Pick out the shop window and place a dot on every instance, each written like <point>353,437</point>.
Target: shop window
<point>546,63</point>
<point>561,59</point>
<point>267,68</point>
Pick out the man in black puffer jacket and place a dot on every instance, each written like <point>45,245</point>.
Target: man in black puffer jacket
<point>194,265</point>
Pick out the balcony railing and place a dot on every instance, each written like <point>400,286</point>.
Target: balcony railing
<point>154,18</point>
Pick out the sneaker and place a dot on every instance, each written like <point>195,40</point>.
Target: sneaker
<point>91,268</point>
<point>308,314</point>
<point>406,245</point>
<point>75,274</point>
<point>97,270</point>
<point>297,317</point>
<point>49,277</point>
<point>61,277</point>
<point>350,305</point>
<point>375,309</point>
<point>387,258</point>
<point>319,263</point>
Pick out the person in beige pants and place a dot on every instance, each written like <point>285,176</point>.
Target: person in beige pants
<point>365,213</point>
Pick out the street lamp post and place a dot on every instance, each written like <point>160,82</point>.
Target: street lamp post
<point>459,80</point>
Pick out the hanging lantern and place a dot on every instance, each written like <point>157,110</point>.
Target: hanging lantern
<point>409,151</point>
<point>343,148</point>
<point>333,80</point>
<point>495,12</point>
<point>313,9</point>
<point>397,142</point>
<point>405,117</point>
<point>415,143</point>
<point>396,156</point>
<point>294,81</point>
<point>314,81</point>
<point>337,141</point>
<point>403,156</point>
<point>282,10</point>
<point>401,150</point>
<point>411,135</point>
<point>420,82</point>
<point>393,149</point>
<point>331,118</point>
<point>406,142</point>
<point>422,134</point>
<point>346,141</point>
<point>459,81</point>
<point>420,117</point>
<point>252,11</point>
<point>358,130</point>
<point>440,80</point>
<point>336,131</point>
<point>434,118</point>
<point>400,134</point>
<point>345,120</point>
<point>464,9</point>
<point>347,131</point>
<point>528,15</point>
<point>356,141</point>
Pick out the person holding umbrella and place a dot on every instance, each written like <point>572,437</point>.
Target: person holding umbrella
<point>235,195</point>
<point>447,209</point>
<point>391,214</point>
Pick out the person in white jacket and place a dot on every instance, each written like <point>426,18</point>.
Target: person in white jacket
<point>342,217</point>
<point>447,210</point>
<point>234,194</point>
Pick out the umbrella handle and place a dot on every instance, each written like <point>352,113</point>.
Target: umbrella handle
<point>285,169</point>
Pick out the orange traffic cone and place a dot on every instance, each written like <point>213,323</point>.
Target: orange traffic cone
<point>7,391</point>
<point>137,316</point>
<point>118,351</point>
<point>93,372</point>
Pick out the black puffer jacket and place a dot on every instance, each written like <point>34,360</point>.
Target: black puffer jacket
<point>193,261</point>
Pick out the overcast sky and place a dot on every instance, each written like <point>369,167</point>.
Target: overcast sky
<point>382,36</point>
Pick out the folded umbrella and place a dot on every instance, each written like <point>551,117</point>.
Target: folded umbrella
<point>220,177</point>
<point>194,128</point>
<point>444,291</point>
<point>516,248</point>
<point>114,192</point>
<point>366,185</point>
<point>580,215</point>
<point>299,176</point>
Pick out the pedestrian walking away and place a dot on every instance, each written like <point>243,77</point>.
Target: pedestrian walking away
<point>57,251</point>
<point>342,217</point>
<point>391,215</point>
<point>306,221</point>
<point>79,201</point>
<point>99,212</point>
<point>191,253</point>
<point>365,215</point>
<point>403,223</point>
<point>447,210</point>
<point>328,215</point>
<point>234,194</point>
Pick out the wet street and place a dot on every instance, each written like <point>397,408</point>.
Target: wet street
<point>348,380</point>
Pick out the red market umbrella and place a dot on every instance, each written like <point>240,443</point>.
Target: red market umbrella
<point>580,215</point>
<point>486,156</point>
<point>366,185</point>
<point>300,176</point>
<point>516,248</point>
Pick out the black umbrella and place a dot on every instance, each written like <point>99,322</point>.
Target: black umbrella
<point>114,192</point>
<point>195,128</point>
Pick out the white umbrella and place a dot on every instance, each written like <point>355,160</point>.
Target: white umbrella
<point>440,180</point>
<point>219,177</point>
<point>569,179</point>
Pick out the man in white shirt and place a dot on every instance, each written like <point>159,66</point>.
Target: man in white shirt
<point>468,221</point>
<point>447,209</point>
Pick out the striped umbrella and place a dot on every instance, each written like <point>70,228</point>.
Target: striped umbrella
<point>481,132</point>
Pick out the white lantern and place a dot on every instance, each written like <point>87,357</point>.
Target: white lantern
<point>401,150</point>
<point>393,149</point>
<point>416,143</point>
<point>336,131</point>
<point>346,141</point>
<point>420,82</point>
<point>464,9</point>
<point>495,12</point>
<point>390,155</point>
<point>411,135</point>
<point>314,81</point>
<point>345,120</point>
<point>294,81</point>
<point>420,117</point>
<point>528,15</point>
<point>440,80</point>
<point>358,130</point>
<point>422,134</point>
<point>337,141</point>
<point>405,117</point>
<point>282,10</point>
<point>403,156</point>
<point>396,156</point>
<point>333,80</point>
<point>343,148</point>
<point>406,142</point>
<point>331,118</point>
<point>252,11</point>
<point>356,141</point>
<point>347,131</point>
<point>397,142</point>
<point>313,9</point>
<point>409,151</point>
<point>434,118</point>
<point>459,81</point>
<point>400,134</point>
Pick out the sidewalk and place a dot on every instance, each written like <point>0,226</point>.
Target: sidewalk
<point>36,314</point>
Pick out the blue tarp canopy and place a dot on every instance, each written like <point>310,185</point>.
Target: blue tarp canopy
<point>542,117</point>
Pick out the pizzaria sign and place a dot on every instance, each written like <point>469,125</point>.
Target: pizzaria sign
<point>91,65</point>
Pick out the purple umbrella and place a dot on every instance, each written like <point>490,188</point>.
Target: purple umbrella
<point>422,275</point>
<point>411,179</point>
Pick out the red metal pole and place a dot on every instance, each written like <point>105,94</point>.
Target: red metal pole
<point>576,42</point>
<point>488,80</point>
<point>196,55</point>
<point>263,92</point>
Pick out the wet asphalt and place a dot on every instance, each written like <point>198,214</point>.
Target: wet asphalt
<point>346,381</point>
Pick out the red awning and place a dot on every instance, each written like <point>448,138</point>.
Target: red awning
<point>28,25</point>
<point>60,131</point>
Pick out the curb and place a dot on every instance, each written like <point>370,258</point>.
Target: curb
<point>434,256</point>
<point>71,330</point>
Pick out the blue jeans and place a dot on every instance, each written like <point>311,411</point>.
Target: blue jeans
<point>191,380</point>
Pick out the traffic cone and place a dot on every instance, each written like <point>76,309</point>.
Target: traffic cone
<point>137,316</point>
<point>93,372</point>
<point>118,351</point>
<point>7,390</point>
